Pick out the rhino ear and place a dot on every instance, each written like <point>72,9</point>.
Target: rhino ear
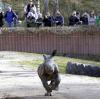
<point>44,56</point>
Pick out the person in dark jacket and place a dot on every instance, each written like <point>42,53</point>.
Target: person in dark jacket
<point>84,19</point>
<point>10,16</point>
<point>1,17</point>
<point>59,19</point>
<point>39,21</point>
<point>78,22</point>
<point>48,20</point>
<point>73,20</point>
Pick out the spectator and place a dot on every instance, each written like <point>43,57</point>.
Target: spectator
<point>59,19</point>
<point>48,20</point>
<point>10,16</point>
<point>30,19</point>
<point>39,21</point>
<point>84,18</point>
<point>98,20</point>
<point>1,17</point>
<point>29,7</point>
<point>33,13</point>
<point>73,19</point>
<point>78,21</point>
<point>92,18</point>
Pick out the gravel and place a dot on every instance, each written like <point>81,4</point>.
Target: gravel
<point>19,81</point>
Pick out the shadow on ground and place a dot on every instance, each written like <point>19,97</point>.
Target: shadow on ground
<point>34,97</point>
<point>57,96</point>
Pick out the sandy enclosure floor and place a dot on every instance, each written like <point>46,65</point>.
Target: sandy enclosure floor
<point>19,81</point>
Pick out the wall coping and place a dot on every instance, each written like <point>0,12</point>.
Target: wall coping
<point>56,30</point>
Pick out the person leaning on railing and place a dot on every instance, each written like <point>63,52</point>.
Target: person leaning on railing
<point>73,20</point>
<point>29,7</point>
<point>58,19</point>
<point>10,16</point>
<point>92,18</point>
<point>48,20</point>
<point>84,18</point>
<point>1,17</point>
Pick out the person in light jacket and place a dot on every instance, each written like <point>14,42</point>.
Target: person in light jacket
<point>92,18</point>
<point>29,7</point>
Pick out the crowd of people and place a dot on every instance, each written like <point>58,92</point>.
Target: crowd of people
<point>10,17</point>
<point>84,19</point>
<point>34,18</point>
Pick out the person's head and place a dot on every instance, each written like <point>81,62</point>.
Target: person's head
<point>0,9</point>
<point>77,13</point>
<point>30,2</point>
<point>9,9</point>
<point>48,14</point>
<point>74,13</point>
<point>92,13</point>
<point>40,15</point>
<point>85,14</point>
<point>58,13</point>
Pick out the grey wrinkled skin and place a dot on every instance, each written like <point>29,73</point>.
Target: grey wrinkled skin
<point>48,71</point>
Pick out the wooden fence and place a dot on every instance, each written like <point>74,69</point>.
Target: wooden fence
<point>68,41</point>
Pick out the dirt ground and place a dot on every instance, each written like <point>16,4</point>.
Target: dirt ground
<point>19,81</point>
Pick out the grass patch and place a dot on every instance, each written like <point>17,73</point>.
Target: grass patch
<point>31,64</point>
<point>61,61</point>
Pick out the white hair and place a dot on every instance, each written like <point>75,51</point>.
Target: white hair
<point>9,8</point>
<point>0,8</point>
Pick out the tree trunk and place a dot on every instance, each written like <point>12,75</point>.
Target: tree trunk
<point>38,6</point>
<point>46,9</point>
<point>56,6</point>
